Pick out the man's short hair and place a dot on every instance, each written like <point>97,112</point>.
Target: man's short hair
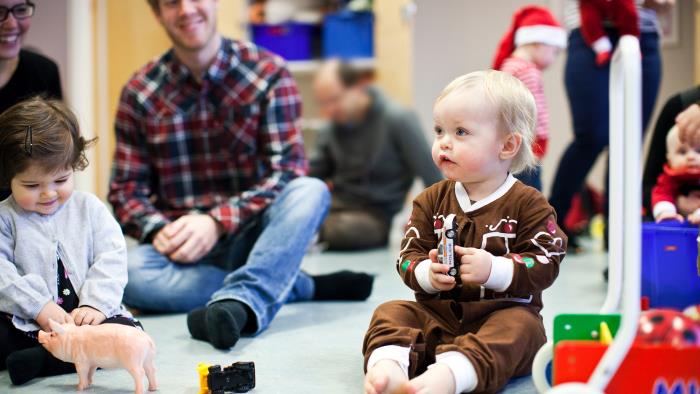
<point>349,76</point>
<point>154,4</point>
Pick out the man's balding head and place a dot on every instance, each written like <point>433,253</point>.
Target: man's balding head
<point>340,91</point>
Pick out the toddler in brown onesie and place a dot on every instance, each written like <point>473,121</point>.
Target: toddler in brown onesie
<point>474,331</point>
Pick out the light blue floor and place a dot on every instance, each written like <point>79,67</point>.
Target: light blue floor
<point>314,347</point>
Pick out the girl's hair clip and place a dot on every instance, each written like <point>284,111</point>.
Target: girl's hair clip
<point>28,141</point>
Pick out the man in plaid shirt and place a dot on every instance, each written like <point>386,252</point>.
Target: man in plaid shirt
<point>208,175</point>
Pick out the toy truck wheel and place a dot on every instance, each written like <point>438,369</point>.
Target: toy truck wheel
<point>450,234</point>
<point>543,357</point>
<point>453,271</point>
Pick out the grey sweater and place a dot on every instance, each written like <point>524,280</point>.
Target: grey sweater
<point>374,163</point>
<point>83,233</point>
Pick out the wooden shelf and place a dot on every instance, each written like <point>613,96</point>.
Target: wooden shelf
<point>313,123</point>
<point>310,66</point>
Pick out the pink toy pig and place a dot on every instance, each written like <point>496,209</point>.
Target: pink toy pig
<point>102,346</point>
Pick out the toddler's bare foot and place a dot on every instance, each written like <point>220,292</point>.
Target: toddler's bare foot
<point>384,377</point>
<point>436,380</point>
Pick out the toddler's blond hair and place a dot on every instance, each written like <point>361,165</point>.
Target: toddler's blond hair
<point>515,105</point>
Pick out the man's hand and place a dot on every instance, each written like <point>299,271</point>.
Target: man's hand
<point>85,315</point>
<point>668,216</point>
<point>475,265</point>
<point>438,274</point>
<point>688,123</point>
<point>188,238</point>
<point>54,312</point>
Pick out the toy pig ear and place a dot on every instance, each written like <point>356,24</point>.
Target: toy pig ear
<point>55,327</point>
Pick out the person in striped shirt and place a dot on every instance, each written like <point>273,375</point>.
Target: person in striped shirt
<point>532,43</point>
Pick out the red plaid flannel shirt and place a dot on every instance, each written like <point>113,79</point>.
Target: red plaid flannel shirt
<point>225,147</point>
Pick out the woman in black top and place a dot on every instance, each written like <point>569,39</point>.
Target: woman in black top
<point>22,73</point>
<point>685,103</point>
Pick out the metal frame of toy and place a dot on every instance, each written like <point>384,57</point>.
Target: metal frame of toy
<point>624,256</point>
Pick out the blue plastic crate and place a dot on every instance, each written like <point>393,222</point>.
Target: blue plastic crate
<point>292,41</point>
<point>669,264</point>
<point>348,35</point>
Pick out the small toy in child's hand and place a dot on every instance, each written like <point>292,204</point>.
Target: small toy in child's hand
<point>447,229</point>
<point>103,346</point>
<point>238,377</point>
<point>667,327</point>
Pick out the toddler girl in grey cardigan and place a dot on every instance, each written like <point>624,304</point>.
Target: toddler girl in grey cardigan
<point>62,254</point>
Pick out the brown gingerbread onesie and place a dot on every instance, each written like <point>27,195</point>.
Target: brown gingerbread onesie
<point>499,329</point>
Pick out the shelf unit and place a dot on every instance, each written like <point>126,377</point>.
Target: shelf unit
<point>311,66</point>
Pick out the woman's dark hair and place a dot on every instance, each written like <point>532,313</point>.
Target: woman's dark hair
<point>41,132</point>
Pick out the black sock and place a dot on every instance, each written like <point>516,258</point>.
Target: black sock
<point>343,285</point>
<point>225,320</point>
<point>197,323</point>
<point>54,366</point>
<point>27,364</point>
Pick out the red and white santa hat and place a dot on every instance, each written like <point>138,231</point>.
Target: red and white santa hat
<point>531,24</point>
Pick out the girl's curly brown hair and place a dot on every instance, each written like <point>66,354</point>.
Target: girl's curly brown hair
<point>41,132</point>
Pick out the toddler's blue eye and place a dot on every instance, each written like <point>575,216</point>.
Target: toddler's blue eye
<point>438,130</point>
<point>461,132</point>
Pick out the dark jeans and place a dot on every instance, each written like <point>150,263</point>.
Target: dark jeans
<point>587,90</point>
<point>532,177</point>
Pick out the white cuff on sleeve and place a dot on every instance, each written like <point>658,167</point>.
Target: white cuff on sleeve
<point>391,352</point>
<point>422,272</point>
<point>462,370</point>
<point>664,207</point>
<point>501,274</point>
<point>602,44</point>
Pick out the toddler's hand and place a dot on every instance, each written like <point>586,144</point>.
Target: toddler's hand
<point>438,274</point>
<point>54,312</point>
<point>475,265</point>
<point>694,217</point>
<point>669,216</point>
<point>85,315</point>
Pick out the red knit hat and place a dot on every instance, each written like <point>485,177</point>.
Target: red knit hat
<point>531,24</point>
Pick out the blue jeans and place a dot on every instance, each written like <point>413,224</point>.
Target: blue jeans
<point>259,265</point>
<point>587,90</point>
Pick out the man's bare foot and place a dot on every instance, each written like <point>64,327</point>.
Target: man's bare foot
<point>436,380</point>
<point>384,377</point>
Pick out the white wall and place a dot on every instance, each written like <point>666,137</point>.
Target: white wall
<point>453,37</point>
<point>66,39</point>
<point>49,31</point>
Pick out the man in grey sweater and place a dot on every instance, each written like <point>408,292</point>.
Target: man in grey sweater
<point>369,154</point>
